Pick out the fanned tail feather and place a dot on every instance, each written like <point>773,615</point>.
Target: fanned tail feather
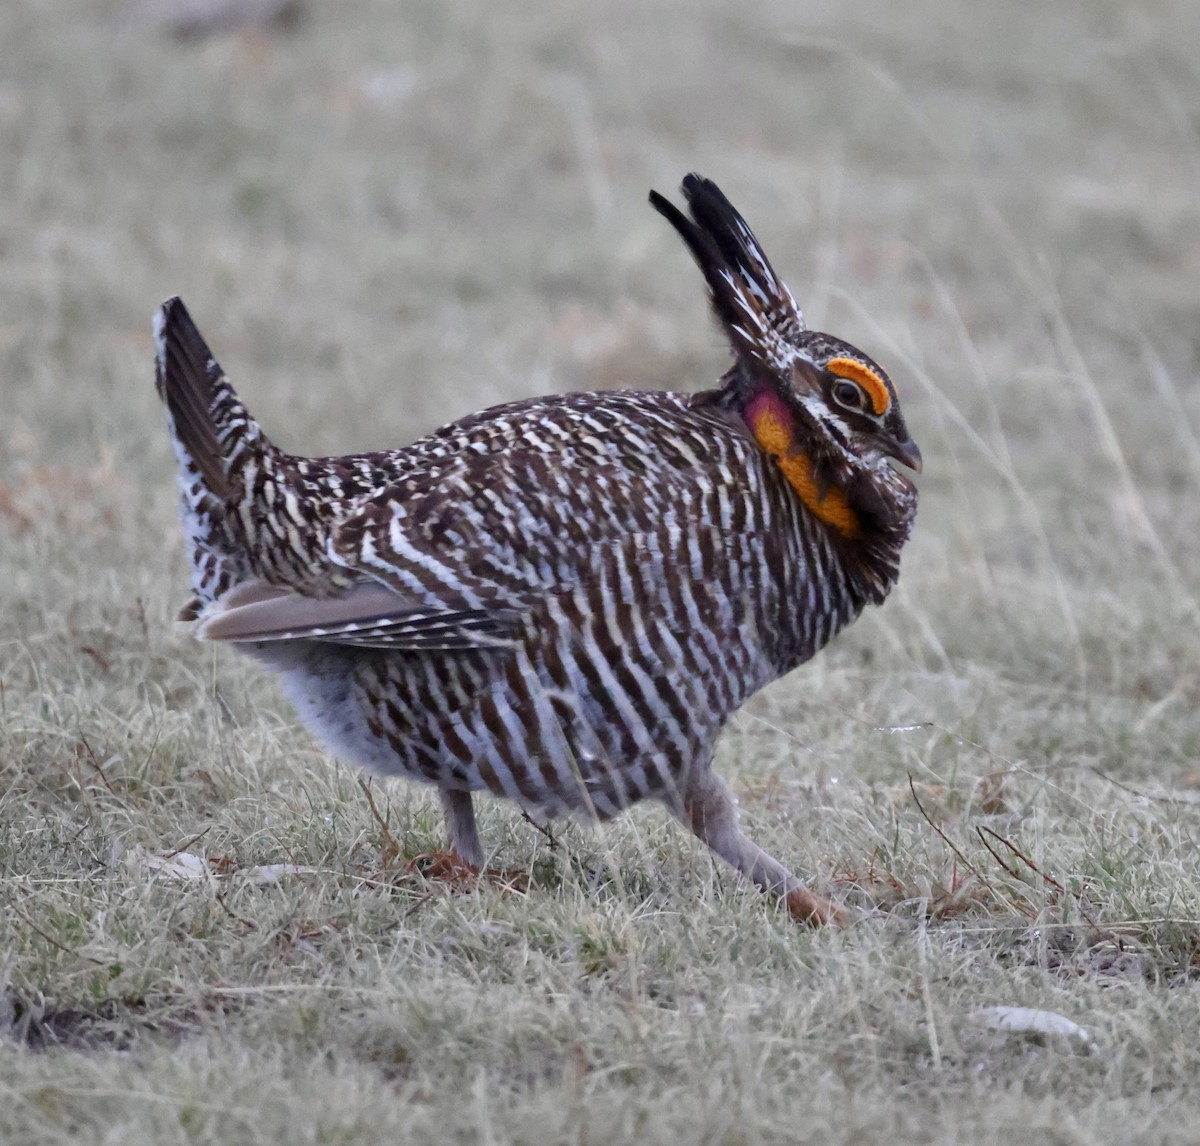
<point>188,378</point>
<point>219,448</point>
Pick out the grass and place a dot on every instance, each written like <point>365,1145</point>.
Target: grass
<point>389,218</point>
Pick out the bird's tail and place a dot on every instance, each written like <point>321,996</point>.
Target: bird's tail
<point>221,449</point>
<point>212,431</point>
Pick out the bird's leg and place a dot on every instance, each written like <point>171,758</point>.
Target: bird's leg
<point>465,861</point>
<point>708,808</point>
<point>462,866</point>
<point>459,814</point>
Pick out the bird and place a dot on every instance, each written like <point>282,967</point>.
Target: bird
<point>561,600</point>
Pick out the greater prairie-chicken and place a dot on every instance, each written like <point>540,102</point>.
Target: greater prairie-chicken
<point>560,600</point>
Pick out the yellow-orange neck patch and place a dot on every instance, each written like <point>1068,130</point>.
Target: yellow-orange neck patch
<point>773,428</point>
<point>876,390</point>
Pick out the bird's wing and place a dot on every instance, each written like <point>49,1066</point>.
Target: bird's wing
<point>498,531</point>
<point>369,615</point>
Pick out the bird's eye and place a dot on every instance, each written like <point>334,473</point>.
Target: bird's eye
<point>847,394</point>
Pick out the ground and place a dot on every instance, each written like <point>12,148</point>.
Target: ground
<point>385,216</point>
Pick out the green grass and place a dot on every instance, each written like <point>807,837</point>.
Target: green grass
<point>396,215</point>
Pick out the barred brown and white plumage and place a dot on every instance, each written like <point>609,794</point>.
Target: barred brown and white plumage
<point>560,600</point>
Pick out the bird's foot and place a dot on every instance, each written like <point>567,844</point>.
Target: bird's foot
<point>817,911</point>
<point>450,868</point>
<point>445,867</point>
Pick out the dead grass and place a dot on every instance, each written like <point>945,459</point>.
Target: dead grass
<point>384,219</point>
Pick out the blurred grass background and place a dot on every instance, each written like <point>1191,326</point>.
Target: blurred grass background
<point>386,216</point>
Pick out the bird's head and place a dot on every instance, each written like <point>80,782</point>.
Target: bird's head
<point>827,412</point>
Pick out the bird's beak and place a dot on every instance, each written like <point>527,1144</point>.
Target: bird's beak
<point>906,453</point>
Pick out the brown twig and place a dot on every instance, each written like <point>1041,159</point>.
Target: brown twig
<point>50,938</point>
<point>187,843</point>
<point>139,614</point>
<point>153,748</point>
<point>101,660</point>
<point>246,924</point>
<point>1034,868</point>
<point>1022,857</point>
<point>929,820</point>
<point>912,787</point>
<point>551,842</point>
<point>995,855</point>
<point>95,762</point>
<point>1134,791</point>
<point>391,850</point>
